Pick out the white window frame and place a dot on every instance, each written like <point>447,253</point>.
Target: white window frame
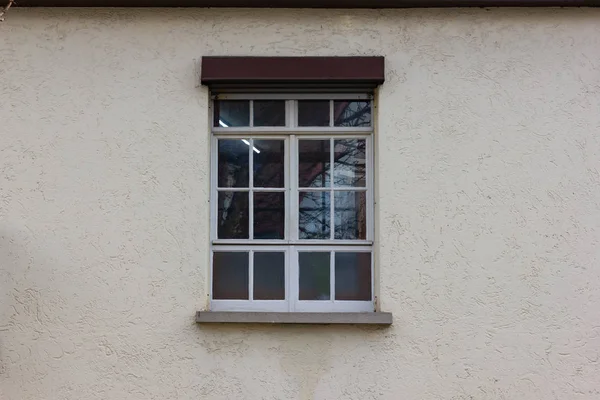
<point>291,245</point>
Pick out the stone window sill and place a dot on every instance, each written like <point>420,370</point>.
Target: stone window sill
<point>228,317</point>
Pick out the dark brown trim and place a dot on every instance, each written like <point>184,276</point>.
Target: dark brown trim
<point>271,73</point>
<point>308,3</point>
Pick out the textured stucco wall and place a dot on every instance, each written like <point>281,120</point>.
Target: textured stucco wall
<point>489,208</point>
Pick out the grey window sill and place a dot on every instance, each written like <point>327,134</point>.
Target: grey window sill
<point>374,318</point>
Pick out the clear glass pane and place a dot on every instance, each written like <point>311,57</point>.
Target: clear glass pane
<point>352,113</point>
<point>350,210</point>
<point>269,112</point>
<point>230,275</point>
<point>232,216</point>
<point>233,160</point>
<point>269,215</point>
<point>314,215</point>
<point>313,112</point>
<point>314,276</point>
<point>231,113</point>
<point>353,276</point>
<point>269,276</point>
<point>314,159</point>
<point>349,168</point>
<point>268,163</point>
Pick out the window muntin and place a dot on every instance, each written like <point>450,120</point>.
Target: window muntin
<point>283,195</point>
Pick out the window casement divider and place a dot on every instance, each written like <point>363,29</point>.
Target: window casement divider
<point>294,121</point>
<point>251,186</point>
<point>276,242</point>
<point>287,183</point>
<point>335,189</point>
<point>331,192</point>
<point>324,131</point>
<point>331,114</point>
<point>294,292</point>
<point>251,113</point>
<point>214,194</point>
<point>251,276</point>
<point>293,193</point>
<point>332,276</point>
<point>254,190</point>
<point>370,178</point>
<point>292,95</point>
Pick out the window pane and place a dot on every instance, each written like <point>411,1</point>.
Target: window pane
<point>313,113</point>
<point>314,276</point>
<point>269,215</point>
<point>353,276</point>
<point>349,162</point>
<point>268,163</point>
<point>314,215</point>
<point>229,113</point>
<point>232,215</point>
<point>230,275</point>
<point>350,215</point>
<point>233,159</point>
<point>269,112</point>
<point>352,113</point>
<point>269,276</point>
<point>314,159</point>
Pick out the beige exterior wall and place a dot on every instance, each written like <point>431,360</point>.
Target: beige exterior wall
<point>488,214</point>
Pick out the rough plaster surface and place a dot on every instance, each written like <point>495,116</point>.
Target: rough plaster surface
<point>488,213</point>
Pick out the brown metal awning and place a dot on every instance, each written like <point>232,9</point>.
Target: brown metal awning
<point>308,3</point>
<point>285,73</point>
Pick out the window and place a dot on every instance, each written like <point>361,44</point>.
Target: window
<point>292,203</point>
